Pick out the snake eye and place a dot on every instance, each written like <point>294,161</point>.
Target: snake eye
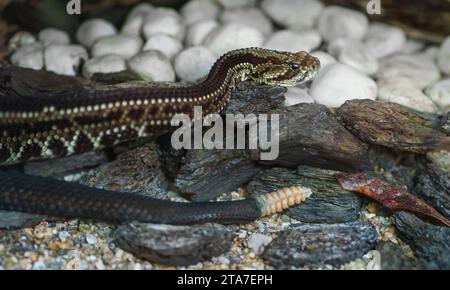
<point>295,66</point>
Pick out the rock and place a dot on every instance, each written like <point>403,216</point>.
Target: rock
<point>137,171</point>
<point>412,46</point>
<point>324,58</point>
<point>164,43</point>
<point>444,56</point>
<point>430,243</point>
<point>194,63</point>
<point>175,245</point>
<point>125,46</point>
<point>440,158</point>
<point>296,95</point>
<point>152,65</point>
<point>335,46</point>
<point>403,91</point>
<point>232,36</point>
<point>296,14</point>
<point>439,93</point>
<point>329,203</point>
<point>393,257</point>
<point>319,244</point>
<point>163,20</point>
<point>19,39</point>
<point>198,31</point>
<point>53,36</point>
<point>359,57</point>
<point>338,83</point>
<point>93,29</point>
<point>421,70</point>
<point>64,59</point>
<point>250,16</point>
<point>109,63</point>
<point>257,242</point>
<point>60,167</point>
<point>197,10</point>
<point>287,40</point>
<point>11,220</point>
<point>431,52</point>
<point>135,19</point>
<point>29,56</point>
<point>236,3</point>
<point>336,22</point>
<point>383,39</point>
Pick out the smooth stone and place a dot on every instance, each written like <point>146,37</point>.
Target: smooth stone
<point>53,36</point>
<point>232,36</point>
<point>440,158</point>
<point>335,46</point>
<point>412,46</point>
<point>250,16</point>
<point>198,10</point>
<point>257,242</point>
<point>420,69</point>
<point>133,23</point>
<point>11,220</point>
<point>227,4</point>
<point>93,29</point>
<point>287,40</point>
<point>163,20</point>
<point>432,52</point>
<point>324,58</point>
<point>444,56</point>
<point>439,93</point>
<point>29,56</point>
<point>404,92</point>
<point>296,95</point>
<point>296,14</point>
<point>164,43</point>
<point>109,63</point>
<point>193,63</point>
<point>384,39</point>
<point>124,45</point>
<point>175,245</point>
<point>359,57</point>
<point>430,243</point>
<point>20,38</point>
<point>338,83</point>
<point>64,59</point>
<point>197,32</point>
<point>336,22</point>
<point>319,244</point>
<point>152,65</point>
<point>329,203</point>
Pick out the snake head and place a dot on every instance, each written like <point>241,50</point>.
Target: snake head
<point>280,68</point>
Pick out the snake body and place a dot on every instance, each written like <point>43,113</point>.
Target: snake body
<point>93,118</point>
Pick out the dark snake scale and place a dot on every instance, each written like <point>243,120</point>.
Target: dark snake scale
<point>55,126</point>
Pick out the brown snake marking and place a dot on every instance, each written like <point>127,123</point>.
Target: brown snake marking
<point>55,126</point>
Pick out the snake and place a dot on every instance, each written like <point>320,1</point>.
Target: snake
<point>96,117</point>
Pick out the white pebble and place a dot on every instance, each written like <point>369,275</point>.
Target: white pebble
<point>296,14</point>
<point>227,4</point>
<point>439,93</point>
<point>420,69</point>
<point>64,59</point>
<point>384,39</point>
<point>93,29</point>
<point>335,46</point>
<point>19,39</point>
<point>198,10</point>
<point>295,95</point>
<point>109,63</point>
<point>123,45</point>
<point>324,58</point>
<point>250,16</point>
<point>338,83</point>
<point>91,239</point>
<point>52,35</point>
<point>194,63</point>
<point>257,242</point>
<point>198,31</point>
<point>232,36</point>
<point>164,43</point>
<point>432,52</point>
<point>287,40</point>
<point>412,46</point>
<point>358,56</point>
<point>404,92</point>
<point>29,56</point>
<point>444,56</point>
<point>163,20</point>
<point>152,65</point>
<point>336,22</point>
<point>133,23</point>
